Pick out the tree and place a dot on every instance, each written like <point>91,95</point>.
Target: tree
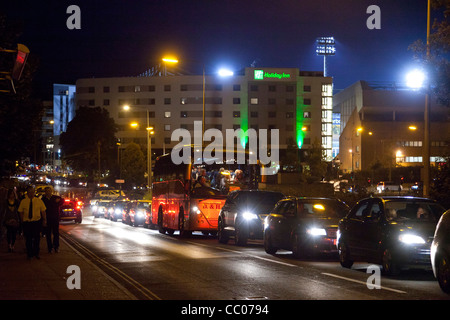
<point>436,63</point>
<point>315,161</point>
<point>89,144</point>
<point>133,165</point>
<point>20,113</point>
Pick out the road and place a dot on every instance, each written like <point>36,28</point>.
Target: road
<point>153,266</point>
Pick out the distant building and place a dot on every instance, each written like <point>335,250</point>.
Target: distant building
<point>377,126</point>
<point>57,114</point>
<point>298,103</point>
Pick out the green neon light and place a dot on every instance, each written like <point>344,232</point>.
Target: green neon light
<point>244,120</point>
<point>300,134</point>
<point>261,75</point>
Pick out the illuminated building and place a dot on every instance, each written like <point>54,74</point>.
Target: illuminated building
<point>298,103</point>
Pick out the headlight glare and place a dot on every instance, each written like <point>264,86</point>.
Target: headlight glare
<point>317,231</point>
<point>247,215</point>
<point>411,239</point>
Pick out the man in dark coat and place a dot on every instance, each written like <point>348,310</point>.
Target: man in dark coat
<point>53,204</point>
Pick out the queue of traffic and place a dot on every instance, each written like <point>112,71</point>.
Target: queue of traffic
<point>396,232</point>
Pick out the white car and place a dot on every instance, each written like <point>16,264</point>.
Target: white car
<point>109,194</point>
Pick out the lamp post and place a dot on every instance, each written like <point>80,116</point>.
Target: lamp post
<point>150,131</point>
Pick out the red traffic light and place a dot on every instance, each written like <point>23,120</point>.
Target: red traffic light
<point>19,63</point>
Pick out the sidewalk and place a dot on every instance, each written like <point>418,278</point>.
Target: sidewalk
<point>45,279</point>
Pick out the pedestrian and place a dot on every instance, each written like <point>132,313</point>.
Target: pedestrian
<point>53,206</point>
<point>11,219</point>
<point>32,214</point>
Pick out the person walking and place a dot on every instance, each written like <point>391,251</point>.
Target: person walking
<point>11,219</point>
<point>32,214</point>
<point>53,206</point>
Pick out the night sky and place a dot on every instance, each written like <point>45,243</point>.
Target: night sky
<point>124,38</point>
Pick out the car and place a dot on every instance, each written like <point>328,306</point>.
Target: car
<point>110,194</point>
<point>118,210</point>
<point>386,186</point>
<point>440,252</point>
<point>100,209</point>
<point>139,212</point>
<point>392,231</point>
<point>71,210</point>
<point>243,214</point>
<point>304,225</point>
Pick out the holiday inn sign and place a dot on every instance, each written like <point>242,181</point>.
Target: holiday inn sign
<point>261,75</point>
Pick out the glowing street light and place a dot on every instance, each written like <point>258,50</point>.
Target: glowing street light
<point>415,79</point>
<point>225,73</point>
<point>412,128</point>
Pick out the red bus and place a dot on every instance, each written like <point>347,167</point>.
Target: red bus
<point>189,197</point>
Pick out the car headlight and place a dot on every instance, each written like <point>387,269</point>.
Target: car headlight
<point>408,238</point>
<point>316,231</point>
<point>196,210</point>
<point>249,215</point>
<point>140,213</point>
<point>94,208</point>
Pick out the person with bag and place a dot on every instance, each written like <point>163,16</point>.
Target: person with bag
<point>11,219</point>
<point>33,217</point>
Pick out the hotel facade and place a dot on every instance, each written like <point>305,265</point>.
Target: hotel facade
<point>297,103</point>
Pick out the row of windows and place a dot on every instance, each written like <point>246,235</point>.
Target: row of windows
<point>214,114</point>
<point>195,87</point>
<point>194,100</point>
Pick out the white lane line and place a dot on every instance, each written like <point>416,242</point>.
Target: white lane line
<point>361,282</point>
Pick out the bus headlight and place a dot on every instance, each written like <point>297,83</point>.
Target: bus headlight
<point>247,215</point>
<point>196,210</point>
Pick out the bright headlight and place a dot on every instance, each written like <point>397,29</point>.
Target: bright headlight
<point>140,213</point>
<point>411,239</point>
<point>317,231</point>
<point>196,210</point>
<point>249,215</point>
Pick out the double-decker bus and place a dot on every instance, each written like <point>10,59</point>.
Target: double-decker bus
<point>188,197</point>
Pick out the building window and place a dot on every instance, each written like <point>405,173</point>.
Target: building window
<point>106,102</point>
<point>236,126</point>
<point>151,114</point>
<point>167,127</point>
<point>236,87</point>
<point>307,141</point>
<point>307,88</point>
<point>253,87</point>
<point>236,114</point>
<point>137,88</point>
<point>183,87</point>
<point>167,87</point>
<point>91,90</point>
<point>166,100</point>
<point>183,114</point>
<point>167,140</point>
<point>236,100</point>
<point>306,114</point>
<point>272,88</point>
<point>167,114</point>
<point>289,102</point>
<point>307,102</point>
<point>289,114</point>
<point>272,114</point>
<point>253,100</point>
<point>272,101</point>
<point>105,89</point>
<point>289,88</point>
<point>254,114</point>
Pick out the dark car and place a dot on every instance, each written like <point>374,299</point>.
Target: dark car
<point>139,210</point>
<point>71,210</point>
<point>440,252</point>
<point>243,214</point>
<point>395,232</point>
<point>304,225</point>
<point>119,210</point>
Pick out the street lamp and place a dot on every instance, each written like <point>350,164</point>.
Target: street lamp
<point>150,131</point>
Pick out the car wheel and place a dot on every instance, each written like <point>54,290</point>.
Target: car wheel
<point>344,255</point>
<point>222,235</point>
<point>268,245</point>
<point>388,263</point>
<point>240,235</point>
<point>443,272</point>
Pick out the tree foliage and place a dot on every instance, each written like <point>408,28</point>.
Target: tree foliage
<point>20,112</point>
<point>90,136</point>
<point>133,165</point>
<point>437,64</point>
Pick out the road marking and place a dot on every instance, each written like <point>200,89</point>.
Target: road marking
<point>244,253</point>
<point>360,282</point>
<point>146,292</point>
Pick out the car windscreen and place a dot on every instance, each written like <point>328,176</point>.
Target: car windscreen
<point>325,208</point>
<point>413,210</point>
<point>143,205</point>
<point>263,201</point>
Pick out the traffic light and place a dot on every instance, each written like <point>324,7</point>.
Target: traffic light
<point>19,63</point>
